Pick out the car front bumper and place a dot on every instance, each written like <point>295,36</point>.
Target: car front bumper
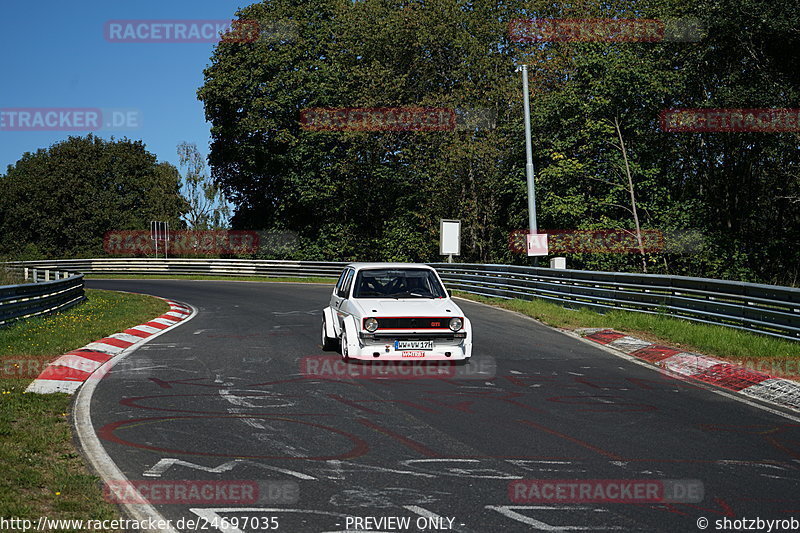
<point>380,347</point>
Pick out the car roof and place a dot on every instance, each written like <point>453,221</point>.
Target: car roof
<point>367,266</point>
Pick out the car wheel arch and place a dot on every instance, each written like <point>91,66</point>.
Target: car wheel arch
<point>351,334</point>
<point>329,316</point>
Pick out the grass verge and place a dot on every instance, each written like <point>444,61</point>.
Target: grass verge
<point>310,279</point>
<point>759,352</point>
<point>43,474</point>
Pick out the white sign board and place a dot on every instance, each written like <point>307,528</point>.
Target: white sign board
<point>450,231</point>
<point>537,244</point>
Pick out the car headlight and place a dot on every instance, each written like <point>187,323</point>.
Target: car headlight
<point>456,324</point>
<point>371,324</point>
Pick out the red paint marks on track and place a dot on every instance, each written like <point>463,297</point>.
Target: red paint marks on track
<point>108,433</point>
<point>100,357</point>
<point>137,333</point>
<point>605,336</point>
<point>410,443</point>
<point>119,343</point>
<point>63,373</point>
<point>352,404</point>
<point>157,325</point>
<point>579,442</point>
<point>655,353</point>
<point>732,377</point>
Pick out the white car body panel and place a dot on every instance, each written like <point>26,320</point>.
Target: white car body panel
<point>330,323</point>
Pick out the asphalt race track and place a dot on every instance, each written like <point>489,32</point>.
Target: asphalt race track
<point>225,398</point>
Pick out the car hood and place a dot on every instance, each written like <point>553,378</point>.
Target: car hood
<point>408,307</point>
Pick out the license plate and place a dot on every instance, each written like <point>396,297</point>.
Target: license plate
<point>413,345</point>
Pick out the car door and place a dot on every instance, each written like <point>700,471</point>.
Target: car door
<point>338,287</point>
<point>339,298</point>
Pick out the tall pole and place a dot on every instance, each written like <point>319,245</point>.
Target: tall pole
<point>154,234</point>
<point>529,152</point>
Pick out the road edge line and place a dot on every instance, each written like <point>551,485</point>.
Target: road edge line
<point>91,447</point>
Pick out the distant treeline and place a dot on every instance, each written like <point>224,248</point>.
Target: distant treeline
<point>729,201</point>
<point>372,180</point>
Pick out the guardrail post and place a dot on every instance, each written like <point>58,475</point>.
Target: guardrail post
<point>26,273</point>
<point>35,276</point>
<point>47,275</point>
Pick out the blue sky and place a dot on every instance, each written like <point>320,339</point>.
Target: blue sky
<point>57,56</point>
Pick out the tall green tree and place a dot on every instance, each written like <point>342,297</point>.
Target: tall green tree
<point>60,201</point>
<point>365,194</point>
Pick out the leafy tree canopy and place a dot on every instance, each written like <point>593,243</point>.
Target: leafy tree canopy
<point>379,195</point>
<point>60,201</point>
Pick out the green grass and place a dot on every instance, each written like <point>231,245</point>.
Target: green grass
<point>43,474</point>
<point>774,355</point>
<point>310,279</point>
<point>104,312</point>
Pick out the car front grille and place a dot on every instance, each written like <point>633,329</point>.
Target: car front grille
<point>420,336</point>
<point>403,322</point>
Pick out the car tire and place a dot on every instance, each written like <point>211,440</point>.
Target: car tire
<point>343,342</point>
<point>328,343</point>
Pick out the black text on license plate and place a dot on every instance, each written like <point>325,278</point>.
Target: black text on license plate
<point>413,345</point>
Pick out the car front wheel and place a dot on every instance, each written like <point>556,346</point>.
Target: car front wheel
<point>345,355</point>
<point>328,343</point>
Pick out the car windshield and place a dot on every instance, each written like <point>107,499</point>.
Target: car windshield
<point>398,283</point>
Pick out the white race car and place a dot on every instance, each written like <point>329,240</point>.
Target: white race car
<point>395,312</point>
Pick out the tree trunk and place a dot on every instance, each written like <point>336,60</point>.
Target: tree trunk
<point>633,196</point>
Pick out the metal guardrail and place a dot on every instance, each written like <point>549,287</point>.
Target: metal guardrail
<point>50,291</point>
<point>188,267</point>
<point>766,309</point>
